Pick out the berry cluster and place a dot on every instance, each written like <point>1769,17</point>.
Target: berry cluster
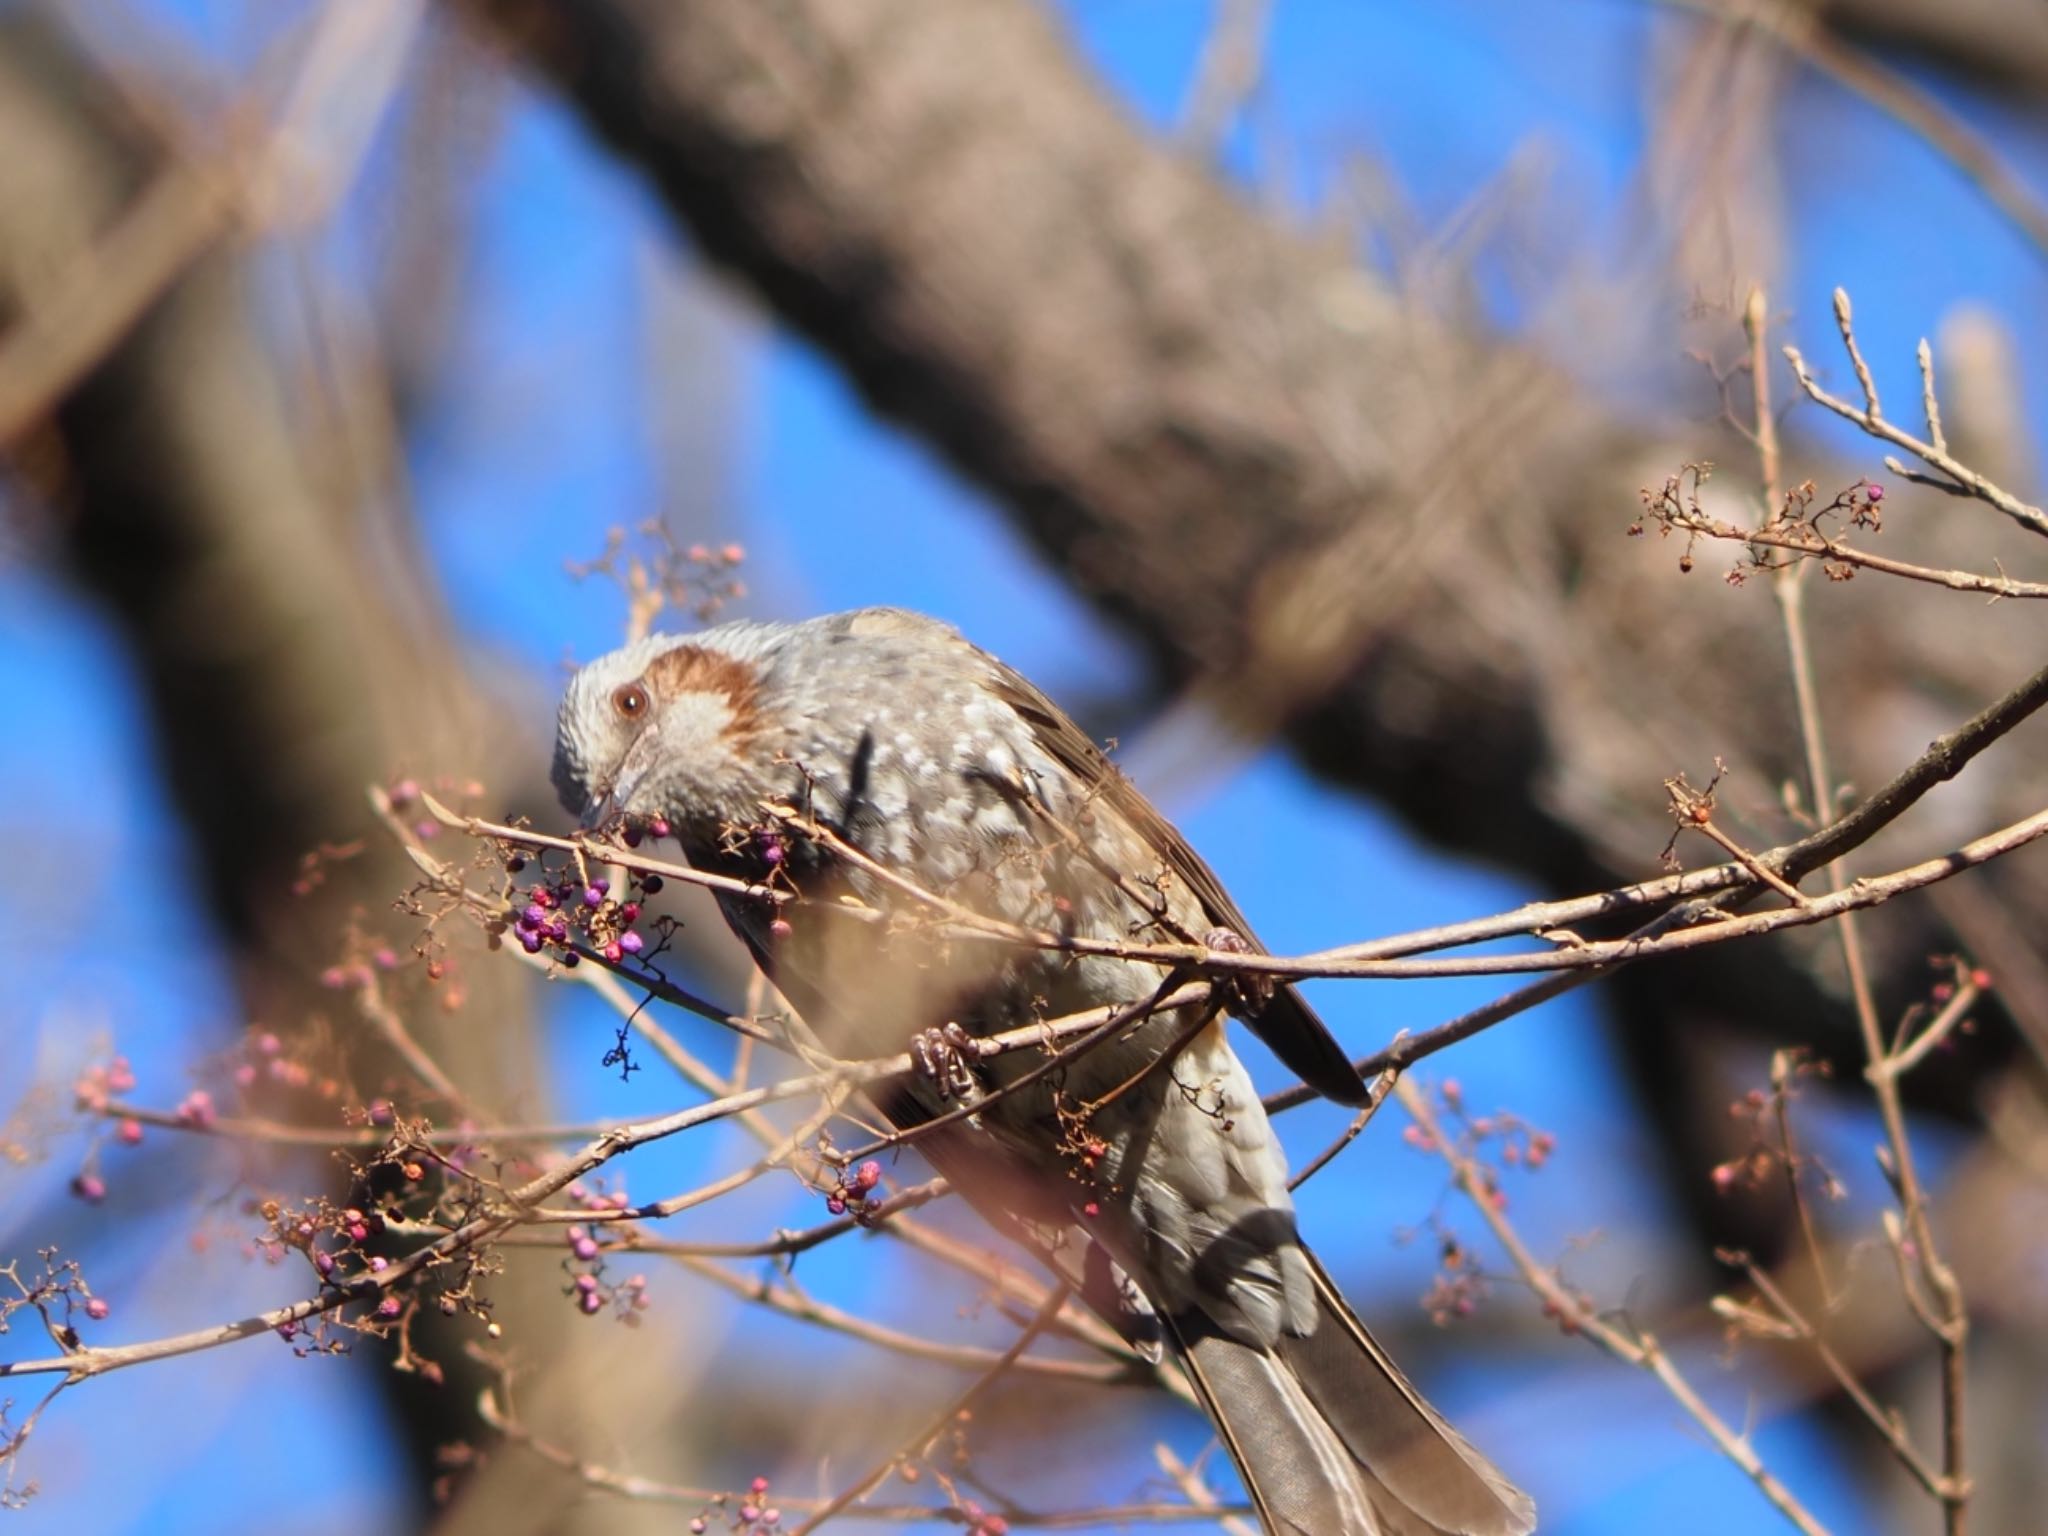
<point>588,1242</point>
<point>856,1190</point>
<point>1458,1286</point>
<point>661,573</point>
<point>97,1085</point>
<point>565,914</point>
<point>745,1515</point>
<point>1771,1151</point>
<point>1521,1144</point>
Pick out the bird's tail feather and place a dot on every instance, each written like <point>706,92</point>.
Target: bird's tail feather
<point>1331,1440</point>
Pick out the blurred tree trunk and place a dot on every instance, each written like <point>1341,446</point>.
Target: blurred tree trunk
<point>290,655</point>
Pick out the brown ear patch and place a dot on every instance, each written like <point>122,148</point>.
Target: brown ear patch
<point>694,669</point>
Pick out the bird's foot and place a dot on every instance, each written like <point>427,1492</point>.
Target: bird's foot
<point>1244,991</point>
<point>946,1056</point>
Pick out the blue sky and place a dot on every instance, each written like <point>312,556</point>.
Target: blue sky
<point>558,414</point>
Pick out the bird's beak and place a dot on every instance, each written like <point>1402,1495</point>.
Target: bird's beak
<point>617,796</point>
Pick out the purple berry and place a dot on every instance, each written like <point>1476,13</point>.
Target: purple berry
<point>631,943</point>
<point>390,1307</point>
<point>835,1205</point>
<point>1875,493</point>
<point>592,896</point>
<point>659,826</point>
<point>651,885</point>
<point>533,916</point>
<point>584,1248</point>
<point>530,942</point>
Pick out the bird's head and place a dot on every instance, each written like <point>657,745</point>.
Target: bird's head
<point>661,727</point>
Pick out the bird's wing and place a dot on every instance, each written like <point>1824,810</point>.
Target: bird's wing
<point>1284,1019</point>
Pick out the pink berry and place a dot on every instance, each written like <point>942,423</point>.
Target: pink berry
<point>585,1248</point>
<point>130,1131</point>
<point>97,1309</point>
<point>590,1302</point>
<point>90,1188</point>
<point>390,1307</point>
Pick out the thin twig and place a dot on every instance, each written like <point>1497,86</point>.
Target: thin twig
<point>943,1420</point>
<point>1961,479</point>
<point>1636,1347</point>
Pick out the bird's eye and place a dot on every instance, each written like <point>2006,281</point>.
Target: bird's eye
<point>630,700</point>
